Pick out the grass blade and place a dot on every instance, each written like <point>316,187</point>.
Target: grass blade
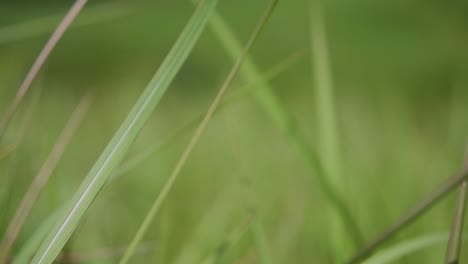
<point>280,116</point>
<point>196,136</point>
<point>439,193</point>
<point>327,126</point>
<point>125,135</point>
<point>324,99</point>
<point>455,238</point>
<point>42,177</point>
<point>34,240</point>
<point>37,65</point>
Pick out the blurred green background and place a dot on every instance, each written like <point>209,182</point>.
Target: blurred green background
<point>400,74</point>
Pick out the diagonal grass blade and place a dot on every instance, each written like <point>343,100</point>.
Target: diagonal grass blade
<point>125,135</point>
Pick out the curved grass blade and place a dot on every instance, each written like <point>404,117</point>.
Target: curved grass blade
<point>42,177</point>
<point>196,136</point>
<point>37,65</point>
<point>125,135</point>
<point>280,116</point>
<point>392,254</point>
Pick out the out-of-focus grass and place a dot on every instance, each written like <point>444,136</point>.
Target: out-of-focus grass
<point>399,77</point>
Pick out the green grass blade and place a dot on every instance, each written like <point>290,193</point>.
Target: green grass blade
<point>327,124</point>
<point>123,138</point>
<point>280,116</point>
<point>197,134</point>
<point>327,127</point>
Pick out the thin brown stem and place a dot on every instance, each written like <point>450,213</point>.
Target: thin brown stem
<point>43,176</point>
<point>412,215</point>
<point>37,65</point>
<point>456,236</point>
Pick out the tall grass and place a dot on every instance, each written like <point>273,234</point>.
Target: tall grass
<point>123,138</point>
<point>136,160</point>
<point>196,136</point>
<point>282,119</point>
<point>392,143</point>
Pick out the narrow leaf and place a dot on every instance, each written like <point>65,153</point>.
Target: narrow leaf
<point>125,135</point>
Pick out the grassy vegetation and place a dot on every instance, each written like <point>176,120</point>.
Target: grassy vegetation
<point>342,117</point>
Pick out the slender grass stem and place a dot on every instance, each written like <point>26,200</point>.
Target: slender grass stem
<point>440,192</point>
<point>196,136</point>
<point>125,135</point>
<point>42,177</point>
<point>37,65</point>
<point>456,232</point>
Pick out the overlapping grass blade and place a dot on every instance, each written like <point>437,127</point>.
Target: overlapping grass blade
<point>37,65</point>
<point>125,135</point>
<point>435,196</point>
<point>133,162</point>
<point>197,134</point>
<point>42,177</point>
<point>277,112</point>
